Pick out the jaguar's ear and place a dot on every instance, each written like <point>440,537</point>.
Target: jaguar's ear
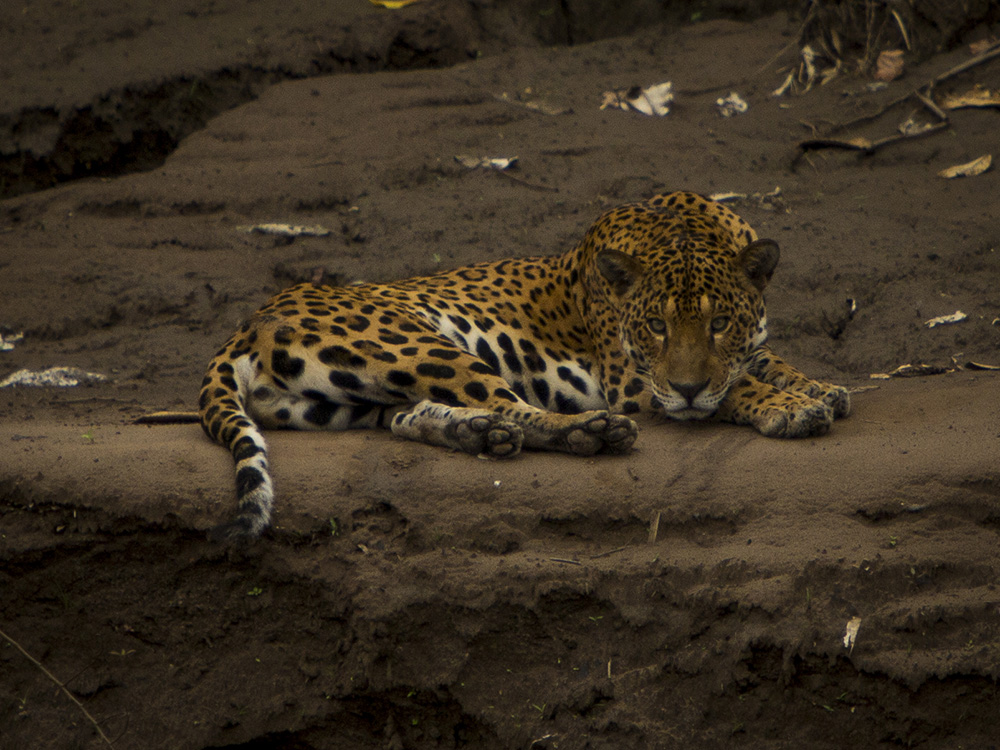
<point>758,260</point>
<point>620,270</point>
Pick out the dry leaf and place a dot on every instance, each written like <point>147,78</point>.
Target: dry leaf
<point>974,97</point>
<point>7,341</point>
<point>912,127</point>
<point>393,4</point>
<point>971,169</point>
<point>978,48</point>
<point>911,371</point>
<point>889,65</point>
<point>851,632</point>
<point>830,73</point>
<point>807,71</point>
<point>652,100</point>
<point>654,528</point>
<point>547,107</point>
<point>956,317</point>
<point>731,105</point>
<point>487,162</point>
<point>772,201</point>
<point>287,230</point>
<point>854,144</point>
<point>784,87</point>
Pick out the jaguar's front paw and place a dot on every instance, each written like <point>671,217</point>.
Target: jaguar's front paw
<point>836,397</point>
<point>803,418</point>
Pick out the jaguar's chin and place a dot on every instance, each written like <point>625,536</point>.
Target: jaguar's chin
<point>689,413</point>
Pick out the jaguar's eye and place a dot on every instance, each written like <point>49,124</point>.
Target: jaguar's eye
<point>657,326</point>
<point>720,323</point>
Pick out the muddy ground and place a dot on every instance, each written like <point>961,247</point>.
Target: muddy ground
<point>693,594</point>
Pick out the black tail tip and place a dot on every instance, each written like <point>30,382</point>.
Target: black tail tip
<point>239,531</point>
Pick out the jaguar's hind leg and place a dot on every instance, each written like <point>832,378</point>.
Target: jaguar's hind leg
<point>466,429</point>
<point>501,433</point>
<point>582,434</point>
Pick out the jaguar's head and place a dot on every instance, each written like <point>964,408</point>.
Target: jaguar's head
<point>689,312</point>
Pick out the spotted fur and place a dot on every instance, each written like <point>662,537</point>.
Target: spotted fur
<point>659,309</point>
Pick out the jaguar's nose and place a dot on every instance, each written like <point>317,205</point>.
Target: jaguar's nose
<point>689,391</point>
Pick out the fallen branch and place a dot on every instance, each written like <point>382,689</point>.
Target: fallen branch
<point>921,370</point>
<point>866,145</point>
<point>62,686</point>
<point>988,54</point>
<point>923,94</point>
<point>922,91</point>
<point>869,146</point>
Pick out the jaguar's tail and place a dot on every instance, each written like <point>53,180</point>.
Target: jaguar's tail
<point>222,409</point>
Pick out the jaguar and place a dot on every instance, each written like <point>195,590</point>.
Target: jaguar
<point>659,310</point>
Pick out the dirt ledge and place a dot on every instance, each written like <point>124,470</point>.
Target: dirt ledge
<point>95,119</point>
<point>488,604</point>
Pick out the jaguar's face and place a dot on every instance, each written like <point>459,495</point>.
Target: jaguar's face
<point>689,325</point>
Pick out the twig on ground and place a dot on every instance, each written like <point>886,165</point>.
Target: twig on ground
<point>929,103</point>
<point>62,686</point>
<point>654,528</point>
<point>522,181</point>
<point>564,560</point>
<point>608,553</point>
